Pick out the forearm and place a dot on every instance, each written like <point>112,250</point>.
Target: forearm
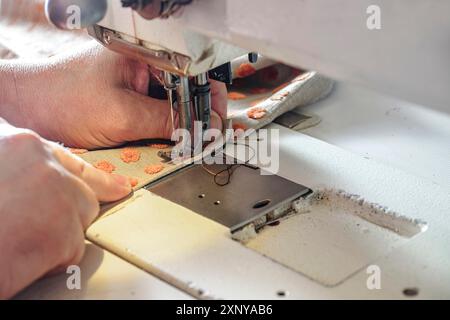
<point>34,94</point>
<point>24,87</point>
<point>10,108</point>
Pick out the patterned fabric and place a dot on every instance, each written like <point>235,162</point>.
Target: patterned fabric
<point>254,109</point>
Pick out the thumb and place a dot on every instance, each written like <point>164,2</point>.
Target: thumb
<point>152,118</point>
<point>107,187</point>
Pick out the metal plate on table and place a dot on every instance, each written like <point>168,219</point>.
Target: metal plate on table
<point>248,196</point>
<point>291,119</point>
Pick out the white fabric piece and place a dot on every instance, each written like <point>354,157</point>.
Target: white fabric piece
<point>301,91</point>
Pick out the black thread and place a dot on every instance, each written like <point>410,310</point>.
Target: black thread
<point>230,169</point>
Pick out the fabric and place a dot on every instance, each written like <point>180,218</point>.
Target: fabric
<point>250,109</point>
<point>26,36</point>
<point>136,171</point>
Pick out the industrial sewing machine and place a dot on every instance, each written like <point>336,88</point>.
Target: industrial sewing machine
<point>194,40</point>
<point>188,60</point>
<point>202,35</point>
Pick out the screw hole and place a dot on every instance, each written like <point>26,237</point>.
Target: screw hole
<point>411,292</point>
<point>202,196</point>
<point>282,293</point>
<point>217,203</point>
<point>261,204</point>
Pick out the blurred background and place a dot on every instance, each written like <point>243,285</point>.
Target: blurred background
<point>25,32</point>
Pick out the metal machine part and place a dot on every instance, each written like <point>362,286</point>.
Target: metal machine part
<point>162,59</point>
<point>291,119</point>
<point>225,204</point>
<point>152,9</point>
<point>170,86</point>
<point>92,12</point>
<point>184,93</point>
<point>184,102</point>
<point>222,73</point>
<point>202,100</point>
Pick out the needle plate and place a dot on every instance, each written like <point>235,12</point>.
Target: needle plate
<point>248,196</point>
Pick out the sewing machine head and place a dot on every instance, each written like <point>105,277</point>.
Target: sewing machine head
<point>144,30</point>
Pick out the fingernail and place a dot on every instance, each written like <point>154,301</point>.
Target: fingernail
<point>216,121</point>
<point>122,180</point>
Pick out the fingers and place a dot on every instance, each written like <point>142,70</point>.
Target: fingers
<point>107,187</point>
<point>146,118</point>
<point>216,121</point>
<point>141,80</point>
<point>153,119</point>
<point>83,199</point>
<point>219,98</point>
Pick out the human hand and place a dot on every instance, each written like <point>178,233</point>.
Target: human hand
<point>95,98</point>
<point>48,199</point>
